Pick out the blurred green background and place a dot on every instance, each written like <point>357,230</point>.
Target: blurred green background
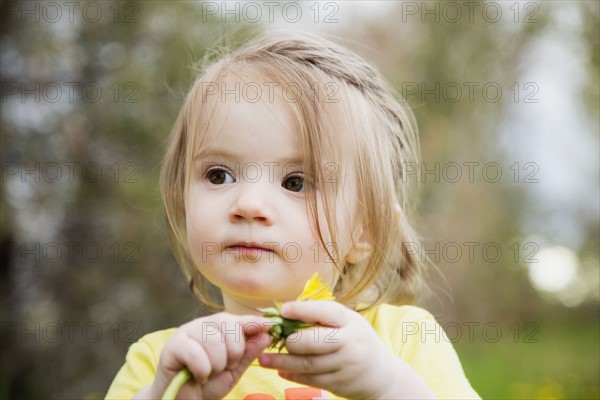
<point>506,95</point>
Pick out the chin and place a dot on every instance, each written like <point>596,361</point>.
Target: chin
<point>260,292</point>
<point>249,285</point>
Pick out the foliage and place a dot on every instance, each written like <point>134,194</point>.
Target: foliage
<point>68,318</point>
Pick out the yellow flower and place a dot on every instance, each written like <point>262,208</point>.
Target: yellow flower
<point>314,289</point>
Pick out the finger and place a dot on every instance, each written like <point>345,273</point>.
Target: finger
<point>192,355</point>
<point>251,333</point>
<point>327,313</point>
<point>220,385</point>
<point>254,325</point>
<point>245,329</point>
<point>191,390</point>
<point>233,338</point>
<point>319,364</point>
<point>214,344</point>
<point>255,345</point>
<point>314,341</point>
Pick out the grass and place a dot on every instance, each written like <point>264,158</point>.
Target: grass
<point>563,364</point>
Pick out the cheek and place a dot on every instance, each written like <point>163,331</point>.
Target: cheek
<point>191,229</point>
<point>194,235</point>
<point>191,220</point>
<point>200,222</point>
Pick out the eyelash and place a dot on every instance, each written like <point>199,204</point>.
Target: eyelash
<point>295,175</point>
<point>223,168</point>
<point>218,168</point>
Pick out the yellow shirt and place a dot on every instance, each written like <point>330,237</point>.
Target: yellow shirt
<point>409,332</point>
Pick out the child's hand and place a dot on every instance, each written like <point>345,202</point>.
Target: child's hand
<point>345,356</point>
<point>216,349</point>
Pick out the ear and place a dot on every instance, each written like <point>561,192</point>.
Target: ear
<point>361,246</point>
<point>397,212</point>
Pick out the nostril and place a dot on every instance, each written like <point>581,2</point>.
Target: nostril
<point>239,216</point>
<point>250,206</point>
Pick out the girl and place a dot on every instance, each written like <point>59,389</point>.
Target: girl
<point>286,159</point>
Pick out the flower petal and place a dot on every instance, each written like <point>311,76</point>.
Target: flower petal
<point>315,289</point>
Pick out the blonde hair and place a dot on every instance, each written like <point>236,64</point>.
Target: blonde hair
<point>380,139</point>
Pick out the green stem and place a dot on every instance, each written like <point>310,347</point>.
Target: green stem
<point>176,384</point>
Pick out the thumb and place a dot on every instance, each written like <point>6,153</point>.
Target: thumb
<point>322,312</point>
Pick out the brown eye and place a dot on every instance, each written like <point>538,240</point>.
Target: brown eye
<point>294,183</point>
<point>218,176</point>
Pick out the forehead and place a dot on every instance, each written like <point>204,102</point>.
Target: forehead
<point>248,112</point>
<point>251,102</point>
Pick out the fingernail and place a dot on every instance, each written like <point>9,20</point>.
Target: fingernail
<point>264,359</point>
<point>284,374</point>
<point>285,308</point>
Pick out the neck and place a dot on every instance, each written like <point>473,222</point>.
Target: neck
<point>238,307</point>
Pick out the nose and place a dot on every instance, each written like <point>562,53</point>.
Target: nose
<point>251,204</point>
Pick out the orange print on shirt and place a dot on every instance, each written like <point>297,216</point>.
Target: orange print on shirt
<point>259,396</point>
<point>298,393</point>
<point>305,393</point>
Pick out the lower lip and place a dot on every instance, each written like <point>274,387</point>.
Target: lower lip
<point>250,253</point>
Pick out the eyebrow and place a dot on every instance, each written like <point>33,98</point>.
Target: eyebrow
<point>228,155</point>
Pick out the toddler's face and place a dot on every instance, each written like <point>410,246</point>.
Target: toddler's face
<point>248,228</point>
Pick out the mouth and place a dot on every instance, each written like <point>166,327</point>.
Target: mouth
<point>250,246</point>
<point>251,251</point>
